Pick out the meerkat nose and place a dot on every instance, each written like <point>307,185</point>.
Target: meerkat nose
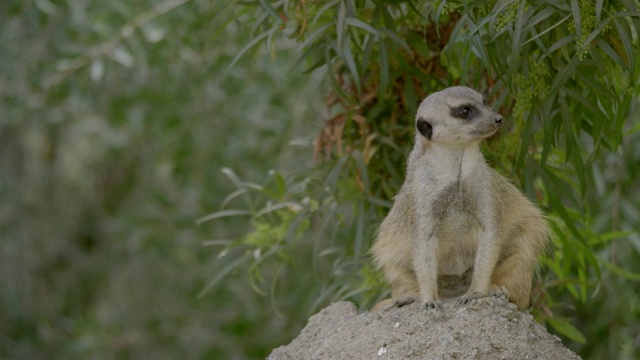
<point>498,120</point>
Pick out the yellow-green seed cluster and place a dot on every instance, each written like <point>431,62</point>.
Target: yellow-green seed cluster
<point>508,16</point>
<point>310,12</point>
<point>267,235</point>
<point>531,87</point>
<point>588,24</point>
<point>619,78</point>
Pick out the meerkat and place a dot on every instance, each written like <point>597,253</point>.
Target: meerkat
<point>456,219</point>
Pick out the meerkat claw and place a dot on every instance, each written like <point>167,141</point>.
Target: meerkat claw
<point>499,292</point>
<point>437,305</point>
<point>469,298</point>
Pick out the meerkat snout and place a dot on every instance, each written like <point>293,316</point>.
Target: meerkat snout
<point>498,120</point>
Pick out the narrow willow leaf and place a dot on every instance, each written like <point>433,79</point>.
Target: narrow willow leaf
<point>370,41</point>
<point>551,28</point>
<point>626,42</point>
<point>223,273</point>
<point>516,44</point>
<point>351,64</point>
<point>358,242</point>
<point>553,187</point>
<point>481,51</point>
<point>242,191</point>
<point>599,9</point>
<point>395,38</point>
<point>410,97</point>
<point>323,10</point>
<point>562,42</point>
<point>542,15</point>
<point>340,24</point>
<point>455,37</point>
<point>313,36</point>
<point>438,15</point>
<point>569,140</point>
<point>612,54</point>
<point>540,44</point>
<point>223,213</point>
<point>272,208</point>
<point>292,231</point>
<point>575,11</point>
<point>246,48</point>
<point>384,70</point>
<point>465,67</point>
<point>630,5</point>
<point>271,11</point>
<point>359,24</point>
<point>331,74</point>
<point>217,242</point>
<point>362,169</point>
<point>524,142</point>
<point>564,75</point>
<point>620,271</point>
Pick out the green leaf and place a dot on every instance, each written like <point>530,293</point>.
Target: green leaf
<point>313,36</point>
<point>359,24</point>
<point>566,329</point>
<point>564,75</point>
<point>223,213</point>
<point>246,48</point>
<point>516,44</point>
<point>551,28</point>
<point>612,54</point>
<point>599,9</point>
<point>542,15</point>
<point>323,10</point>
<point>221,274</point>
<point>628,46</point>
<point>395,38</point>
<point>616,270</point>
<point>384,70</point>
<point>340,24</point>
<point>351,64</point>
<point>575,11</point>
<point>271,11</point>
<point>271,208</point>
<point>332,76</point>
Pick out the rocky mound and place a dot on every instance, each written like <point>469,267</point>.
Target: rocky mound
<point>487,329</point>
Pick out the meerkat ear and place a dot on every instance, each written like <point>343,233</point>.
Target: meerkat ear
<point>425,128</point>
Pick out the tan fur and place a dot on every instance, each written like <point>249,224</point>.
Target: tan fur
<point>457,225</point>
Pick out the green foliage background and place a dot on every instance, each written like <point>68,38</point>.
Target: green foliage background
<point>139,214</point>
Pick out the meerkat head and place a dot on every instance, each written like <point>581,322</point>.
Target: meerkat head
<point>456,115</point>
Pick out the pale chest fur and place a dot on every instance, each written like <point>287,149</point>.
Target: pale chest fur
<point>451,187</point>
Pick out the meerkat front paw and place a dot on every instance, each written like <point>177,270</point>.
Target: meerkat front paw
<point>435,304</point>
<point>499,291</point>
<point>469,298</point>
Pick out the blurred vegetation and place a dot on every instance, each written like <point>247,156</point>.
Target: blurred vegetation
<point>118,133</point>
<point>115,125</point>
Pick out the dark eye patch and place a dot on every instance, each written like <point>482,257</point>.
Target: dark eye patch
<point>466,111</point>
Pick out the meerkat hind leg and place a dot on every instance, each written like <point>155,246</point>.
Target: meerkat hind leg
<point>513,275</point>
<point>404,287</point>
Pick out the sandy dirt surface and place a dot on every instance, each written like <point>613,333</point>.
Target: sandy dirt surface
<point>490,328</point>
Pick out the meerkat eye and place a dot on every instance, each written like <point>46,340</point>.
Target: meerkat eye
<point>465,111</point>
